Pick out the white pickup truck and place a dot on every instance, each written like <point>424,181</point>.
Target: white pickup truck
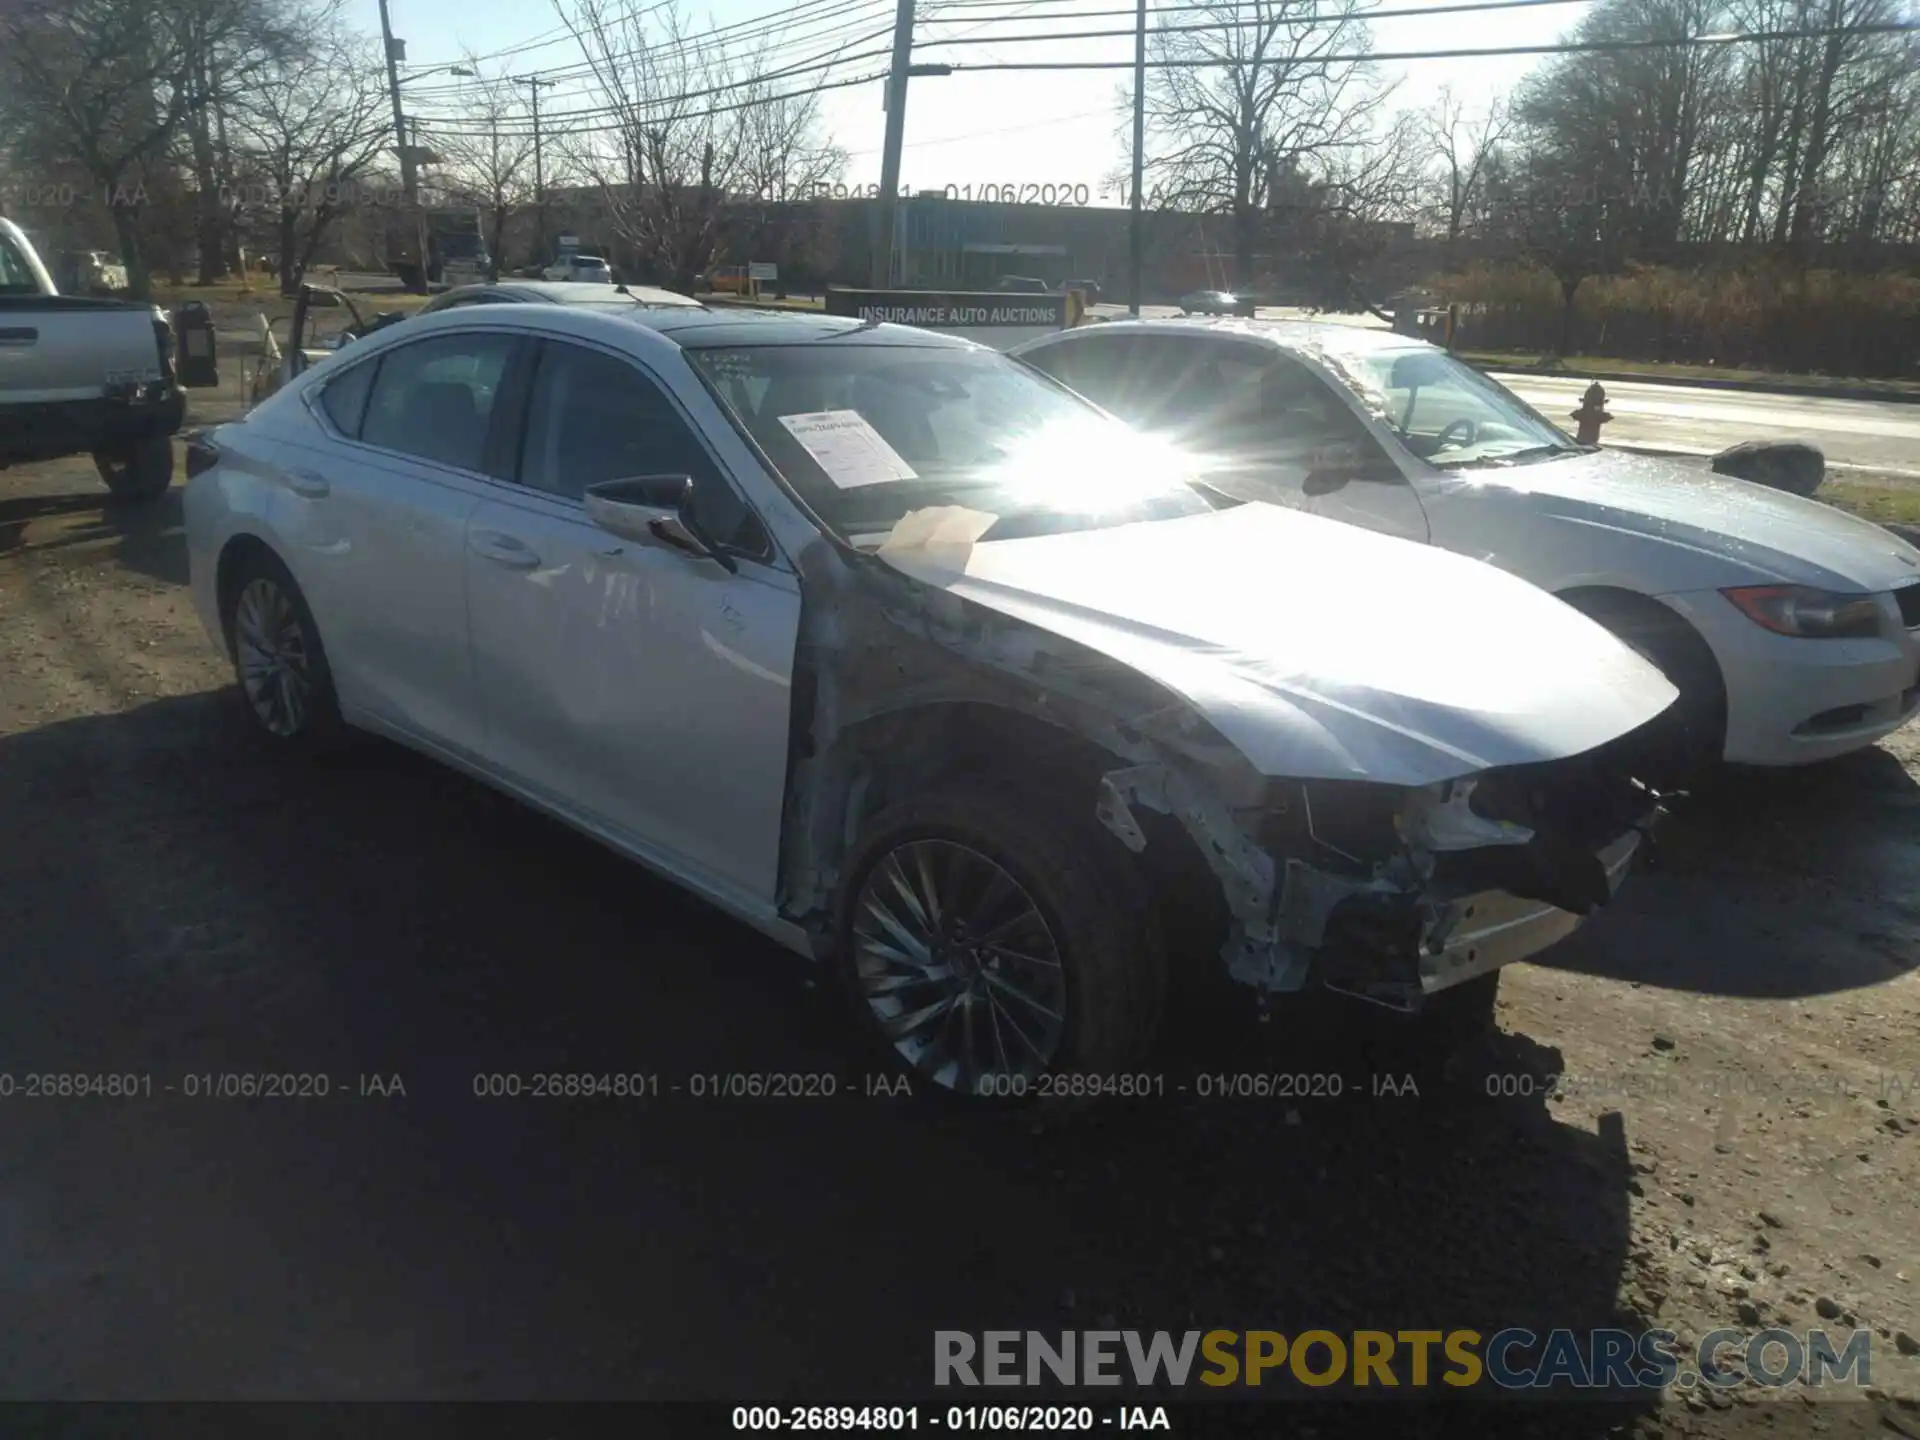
<point>83,376</point>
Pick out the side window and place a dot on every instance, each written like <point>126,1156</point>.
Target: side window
<point>434,398</point>
<point>344,397</point>
<point>1095,366</point>
<point>1281,419</point>
<point>594,417</point>
<point>16,276</point>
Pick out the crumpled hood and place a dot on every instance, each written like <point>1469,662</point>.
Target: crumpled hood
<point>1785,538</point>
<point>1320,650</point>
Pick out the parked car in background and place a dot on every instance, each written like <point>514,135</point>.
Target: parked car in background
<point>90,272</point>
<point>1022,285</point>
<point>1088,288</point>
<point>1792,629</point>
<point>1216,302</point>
<point>85,376</point>
<point>924,667</point>
<point>580,270</point>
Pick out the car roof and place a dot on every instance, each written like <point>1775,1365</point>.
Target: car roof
<point>579,292</point>
<point>1289,334</point>
<point>692,327</point>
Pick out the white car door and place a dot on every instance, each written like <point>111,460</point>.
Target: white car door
<point>1260,425</point>
<point>379,509</point>
<point>635,686</point>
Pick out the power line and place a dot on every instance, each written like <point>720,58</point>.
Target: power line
<point>617,129</point>
<point>1217,62</point>
<point>816,64</point>
<point>1274,22</point>
<point>1490,52</point>
<point>728,35</point>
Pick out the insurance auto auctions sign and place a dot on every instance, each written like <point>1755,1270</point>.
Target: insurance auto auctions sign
<point>992,318</point>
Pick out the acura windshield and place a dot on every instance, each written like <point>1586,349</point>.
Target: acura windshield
<point>1443,410</point>
<point>868,433</point>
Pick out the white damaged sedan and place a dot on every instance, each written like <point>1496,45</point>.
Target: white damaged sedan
<point>922,666</point>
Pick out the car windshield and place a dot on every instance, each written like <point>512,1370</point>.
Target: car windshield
<point>1445,411</point>
<point>868,434</point>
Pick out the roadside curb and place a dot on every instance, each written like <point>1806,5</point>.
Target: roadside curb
<point>1751,387</point>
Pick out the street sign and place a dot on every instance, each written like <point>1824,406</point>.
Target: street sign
<point>758,271</point>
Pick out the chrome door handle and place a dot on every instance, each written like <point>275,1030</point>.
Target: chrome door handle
<point>503,549</point>
<point>309,483</point>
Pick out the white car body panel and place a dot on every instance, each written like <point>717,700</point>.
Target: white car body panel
<point>587,649</point>
<point>1376,685</point>
<point>1657,528</point>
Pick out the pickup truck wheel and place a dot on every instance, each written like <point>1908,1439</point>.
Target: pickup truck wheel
<point>140,474</point>
<point>988,943</point>
<point>278,658</point>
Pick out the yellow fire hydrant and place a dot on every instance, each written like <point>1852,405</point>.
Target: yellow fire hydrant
<point>1591,415</point>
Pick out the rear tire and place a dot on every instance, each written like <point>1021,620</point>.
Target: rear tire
<point>278,658</point>
<point>140,474</point>
<point>1028,884</point>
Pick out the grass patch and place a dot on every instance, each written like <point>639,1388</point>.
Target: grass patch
<point>1889,504</point>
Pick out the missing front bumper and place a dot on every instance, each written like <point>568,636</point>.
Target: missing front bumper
<point>1478,933</point>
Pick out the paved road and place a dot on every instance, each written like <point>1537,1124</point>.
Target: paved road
<point>1880,435</point>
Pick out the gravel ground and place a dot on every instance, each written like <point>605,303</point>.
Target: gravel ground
<point>1736,1143</point>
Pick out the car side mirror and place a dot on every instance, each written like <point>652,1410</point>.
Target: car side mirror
<point>654,510</point>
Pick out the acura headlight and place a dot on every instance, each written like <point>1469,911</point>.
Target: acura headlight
<point>1807,613</point>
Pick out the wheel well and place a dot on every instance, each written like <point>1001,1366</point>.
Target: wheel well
<point>234,556</point>
<point>1633,616</point>
<point>914,750</point>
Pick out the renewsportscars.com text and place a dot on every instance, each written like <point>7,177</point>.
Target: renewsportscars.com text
<point>1510,1359</point>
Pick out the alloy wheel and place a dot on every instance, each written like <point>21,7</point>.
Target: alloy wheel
<point>959,968</point>
<point>271,647</point>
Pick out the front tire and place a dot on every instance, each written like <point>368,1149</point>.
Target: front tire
<point>139,474</point>
<point>278,658</point>
<point>987,942</point>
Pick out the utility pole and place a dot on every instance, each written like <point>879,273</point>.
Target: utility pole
<point>1136,245</point>
<point>902,63</point>
<point>535,84</point>
<point>409,176</point>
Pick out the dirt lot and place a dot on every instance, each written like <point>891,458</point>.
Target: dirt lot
<point>1737,1141</point>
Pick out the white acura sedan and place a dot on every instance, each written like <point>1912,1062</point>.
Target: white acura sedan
<point>926,668</point>
<point>1791,628</point>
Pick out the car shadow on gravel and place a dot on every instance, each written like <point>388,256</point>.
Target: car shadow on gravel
<point>183,904</point>
<point>147,538</point>
<point>1771,884</point>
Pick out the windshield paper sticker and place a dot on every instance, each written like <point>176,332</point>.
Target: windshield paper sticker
<point>850,450</point>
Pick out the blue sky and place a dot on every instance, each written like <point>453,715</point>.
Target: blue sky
<point>964,129</point>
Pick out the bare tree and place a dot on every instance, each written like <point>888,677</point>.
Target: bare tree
<point>1461,143</point>
<point>1247,102</point>
<point>490,156</point>
<point>311,134</point>
<point>107,87</point>
<point>665,156</point>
